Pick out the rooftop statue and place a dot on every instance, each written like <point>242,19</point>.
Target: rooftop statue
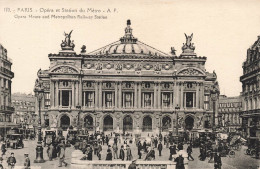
<point>67,44</point>
<point>188,47</point>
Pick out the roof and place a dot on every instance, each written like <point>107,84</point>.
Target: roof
<point>256,44</point>
<point>128,45</point>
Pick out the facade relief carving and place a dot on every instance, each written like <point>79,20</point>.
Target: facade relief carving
<point>65,69</point>
<point>190,72</point>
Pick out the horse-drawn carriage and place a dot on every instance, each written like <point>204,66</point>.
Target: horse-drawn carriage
<point>15,141</point>
<point>71,136</point>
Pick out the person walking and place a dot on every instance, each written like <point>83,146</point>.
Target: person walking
<point>50,151</point>
<point>27,163</point>
<point>107,140</point>
<point>128,153</point>
<point>11,161</point>
<point>172,150</point>
<point>122,153</point>
<point>179,162</point>
<point>99,151</point>
<point>61,156</point>
<point>189,151</point>
<point>109,155</point>
<point>145,146</point>
<point>139,148</point>
<point>160,147</point>
<point>217,161</point>
<point>3,148</point>
<point>155,142</point>
<point>115,149</point>
<point>132,165</point>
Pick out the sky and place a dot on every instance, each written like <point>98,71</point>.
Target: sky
<point>222,31</point>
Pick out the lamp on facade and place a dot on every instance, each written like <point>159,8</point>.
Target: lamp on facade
<point>177,108</point>
<point>39,149</point>
<point>79,109</point>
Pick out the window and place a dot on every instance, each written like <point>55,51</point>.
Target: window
<point>147,99</point>
<point>8,118</point>
<point>190,99</point>
<point>109,99</point>
<point>65,98</point>
<point>89,98</point>
<point>47,102</point>
<point>128,99</point>
<point>166,99</point>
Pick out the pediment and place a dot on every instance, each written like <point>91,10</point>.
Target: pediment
<point>191,72</point>
<point>65,69</point>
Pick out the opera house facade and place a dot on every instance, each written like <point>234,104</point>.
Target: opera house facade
<point>126,86</point>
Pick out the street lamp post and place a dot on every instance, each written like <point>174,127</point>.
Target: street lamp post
<point>39,148</point>
<point>177,108</point>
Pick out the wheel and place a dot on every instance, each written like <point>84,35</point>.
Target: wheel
<point>231,154</point>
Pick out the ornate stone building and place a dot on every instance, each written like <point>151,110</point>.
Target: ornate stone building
<point>251,92</point>
<point>229,111</point>
<point>127,86</point>
<point>6,75</point>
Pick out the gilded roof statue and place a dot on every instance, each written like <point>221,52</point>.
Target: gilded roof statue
<point>188,47</point>
<point>67,44</point>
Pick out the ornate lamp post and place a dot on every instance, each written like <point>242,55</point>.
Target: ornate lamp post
<point>79,108</point>
<point>39,149</point>
<point>177,108</point>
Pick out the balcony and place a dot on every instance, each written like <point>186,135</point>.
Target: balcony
<point>6,72</point>
<point>7,108</point>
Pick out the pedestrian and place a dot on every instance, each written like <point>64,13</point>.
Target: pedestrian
<point>189,151</point>
<point>61,156</point>
<point>172,150</point>
<point>11,161</point>
<point>217,161</point>
<point>155,142</point>
<point>107,140</point>
<point>160,147</point>
<point>3,148</point>
<point>50,151</point>
<point>115,140</point>
<point>115,149</point>
<point>109,155</point>
<point>145,146</point>
<point>139,148</point>
<point>128,153</point>
<point>1,160</point>
<point>103,139</point>
<point>179,162</point>
<point>180,146</point>
<point>122,153</point>
<point>150,155</point>
<point>89,152</point>
<point>99,151</point>
<point>132,165</point>
<point>27,162</point>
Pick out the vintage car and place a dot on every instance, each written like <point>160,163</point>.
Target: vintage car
<point>71,136</point>
<point>15,141</point>
<point>50,137</point>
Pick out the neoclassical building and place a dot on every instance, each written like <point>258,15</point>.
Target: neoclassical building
<point>127,86</point>
<point>251,94</point>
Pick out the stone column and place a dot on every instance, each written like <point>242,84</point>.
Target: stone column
<point>159,96</point>
<point>197,95</point>
<point>100,95</point>
<point>96,95</point>
<point>139,95</point>
<point>181,101</point>
<point>155,95</point>
<point>77,93</point>
<point>80,91</point>
<point>57,94</point>
<point>120,95</point>
<point>73,94</point>
<point>52,94</point>
<point>202,96</point>
<point>136,96</point>
<point>116,95</point>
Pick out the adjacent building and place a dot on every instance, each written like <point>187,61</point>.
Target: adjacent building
<point>127,86</point>
<point>229,111</point>
<point>251,91</point>
<point>6,75</point>
<point>24,105</point>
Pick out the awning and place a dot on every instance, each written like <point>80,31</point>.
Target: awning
<point>8,124</point>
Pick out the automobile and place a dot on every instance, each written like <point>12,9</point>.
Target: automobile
<point>15,141</point>
<point>49,138</point>
<point>71,136</point>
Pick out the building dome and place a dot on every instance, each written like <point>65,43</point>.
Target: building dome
<point>128,45</point>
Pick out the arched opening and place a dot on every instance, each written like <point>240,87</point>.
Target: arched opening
<point>189,123</point>
<point>128,123</point>
<point>108,123</point>
<point>88,122</point>
<point>64,122</point>
<point>166,123</point>
<point>147,123</point>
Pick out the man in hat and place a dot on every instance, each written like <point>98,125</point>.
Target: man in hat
<point>179,162</point>
<point>172,151</point>
<point>139,146</point>
<point>11,161</point>
<point>50,152</point>
<point>27,162</point>
<point>99,151</point>
<point>115,149</point>
<point>132,165</point>
<point>122,153</point>
<point>61,156</point>
<point>128,153</point>
<point>109,155</point>
<point>3,148</point>
<point>189,151</point>
<point>160,147</point>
